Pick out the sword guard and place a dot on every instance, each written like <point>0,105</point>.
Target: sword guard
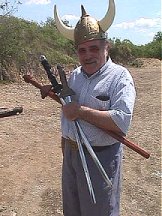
<point>66,91</point>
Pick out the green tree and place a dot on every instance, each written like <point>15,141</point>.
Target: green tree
<point>121,51</point>
<point>154,48</point>
<point>158,36</point>
<point>8,8</point>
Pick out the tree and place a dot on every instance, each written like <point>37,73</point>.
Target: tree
<point>158,36</point>
<point>121,51</point>
<point>154,48</point>
<point>8,8</point>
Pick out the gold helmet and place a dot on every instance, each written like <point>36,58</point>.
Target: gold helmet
<point>87,28</point>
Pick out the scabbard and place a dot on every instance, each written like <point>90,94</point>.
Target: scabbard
<point>128,143</point>
<point>51,94</point>
<point>122,139</point>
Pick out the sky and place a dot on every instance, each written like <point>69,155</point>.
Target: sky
<point>135,20</point>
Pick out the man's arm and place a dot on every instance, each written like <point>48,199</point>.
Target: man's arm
<point>98,118</point>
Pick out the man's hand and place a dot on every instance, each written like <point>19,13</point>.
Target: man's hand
<point>45,90</point>
<point>71,111</point>
<point>99,118</point>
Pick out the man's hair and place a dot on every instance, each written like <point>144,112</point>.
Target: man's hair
<point>105,43</point>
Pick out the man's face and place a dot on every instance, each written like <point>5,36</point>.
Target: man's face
<point>92,55</point>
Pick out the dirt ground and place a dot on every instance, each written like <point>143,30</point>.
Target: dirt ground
<point>30,156</point>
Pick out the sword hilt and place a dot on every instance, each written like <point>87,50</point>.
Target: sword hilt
<point>56,86</point>
<point>66,91</point>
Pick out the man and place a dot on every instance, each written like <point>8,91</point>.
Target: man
<point>104,99</point>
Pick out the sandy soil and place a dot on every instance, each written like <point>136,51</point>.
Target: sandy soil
<point>30,156</point>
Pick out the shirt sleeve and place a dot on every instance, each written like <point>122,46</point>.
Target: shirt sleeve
<point>122,101</point>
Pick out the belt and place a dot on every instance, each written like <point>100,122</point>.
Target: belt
<point>74,146</point>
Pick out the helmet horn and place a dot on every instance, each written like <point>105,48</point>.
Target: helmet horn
<point>106,22</point>
<point>66,31</point>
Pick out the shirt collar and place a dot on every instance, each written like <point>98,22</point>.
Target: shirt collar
<point>101,70</point>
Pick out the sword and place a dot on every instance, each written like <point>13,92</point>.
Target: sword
<point>65,97</point>
<point>29,79</point>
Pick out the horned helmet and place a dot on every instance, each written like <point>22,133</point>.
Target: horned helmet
<point>87,28</point>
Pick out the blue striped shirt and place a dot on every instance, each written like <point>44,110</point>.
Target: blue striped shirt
<point>113,83</point>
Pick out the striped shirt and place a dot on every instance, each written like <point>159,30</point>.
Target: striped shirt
<point>112,89</point>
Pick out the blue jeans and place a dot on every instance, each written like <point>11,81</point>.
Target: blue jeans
<point>76,198</point>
